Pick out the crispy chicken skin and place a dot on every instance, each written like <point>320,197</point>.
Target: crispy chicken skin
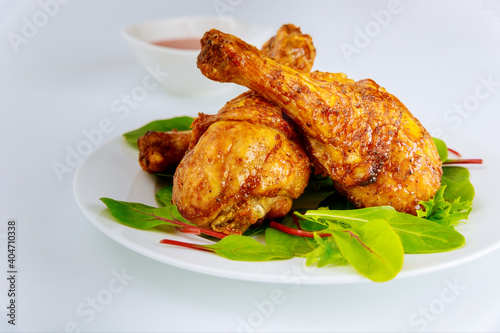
<point>376,152</point>
<point>245,163</point>
<point>240,172</point>
<point>162,151</point>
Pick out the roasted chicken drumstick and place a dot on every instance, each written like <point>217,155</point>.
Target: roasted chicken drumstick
<point>376,152</point>
<point>245,163</point>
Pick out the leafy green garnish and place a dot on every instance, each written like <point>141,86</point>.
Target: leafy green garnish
<point>458,185</point>
<point>244,248</point>
<point>178,123</point>
<point>374,249</point>
<point>326,253</point>
<point>441,148</point>
<point>445,212</point>
<point>140,216</point>
<point>299,246</point>
<point>241,248</point>
<point>417,235</point>
<point>164,196</point>
<point>452,203</point>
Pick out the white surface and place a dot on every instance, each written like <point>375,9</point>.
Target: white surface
<point>96,177</point>
<point>72,78</point>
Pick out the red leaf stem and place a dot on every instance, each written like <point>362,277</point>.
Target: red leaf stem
<point>454,152</point>
<point>295,232</point>
<point>184,244</point>
<point>464,161</point>
<point>187,227</point>
<point>191,229</point>
<point>353,235</point>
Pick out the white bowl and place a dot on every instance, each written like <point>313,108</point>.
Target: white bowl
<point>179,73</point>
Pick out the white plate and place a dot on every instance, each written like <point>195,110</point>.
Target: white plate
<point>113,171</point>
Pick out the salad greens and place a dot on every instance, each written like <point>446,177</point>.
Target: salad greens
<point>178,123</point>
<point>324,228</point>
<point>441,148</point>
<point>242,248</point>
<point>418,235</point>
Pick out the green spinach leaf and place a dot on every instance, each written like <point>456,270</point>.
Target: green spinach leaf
<point>178,123</point>
<point>326,253</point>
<point>374,249</point>
<point>164,196</point>
<point>140,216</point>
<point>245,248</point>
<point>299,246</point>
<point>458,185</point>
<point>441,148</point>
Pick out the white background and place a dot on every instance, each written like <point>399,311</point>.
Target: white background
<point>61,81</point>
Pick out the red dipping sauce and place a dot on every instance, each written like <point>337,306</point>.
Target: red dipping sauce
<point>181,43</point>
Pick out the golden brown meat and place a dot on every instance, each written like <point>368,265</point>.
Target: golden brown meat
<point>365,139</point>
<point>246,162</point>
<point>161,152</point>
